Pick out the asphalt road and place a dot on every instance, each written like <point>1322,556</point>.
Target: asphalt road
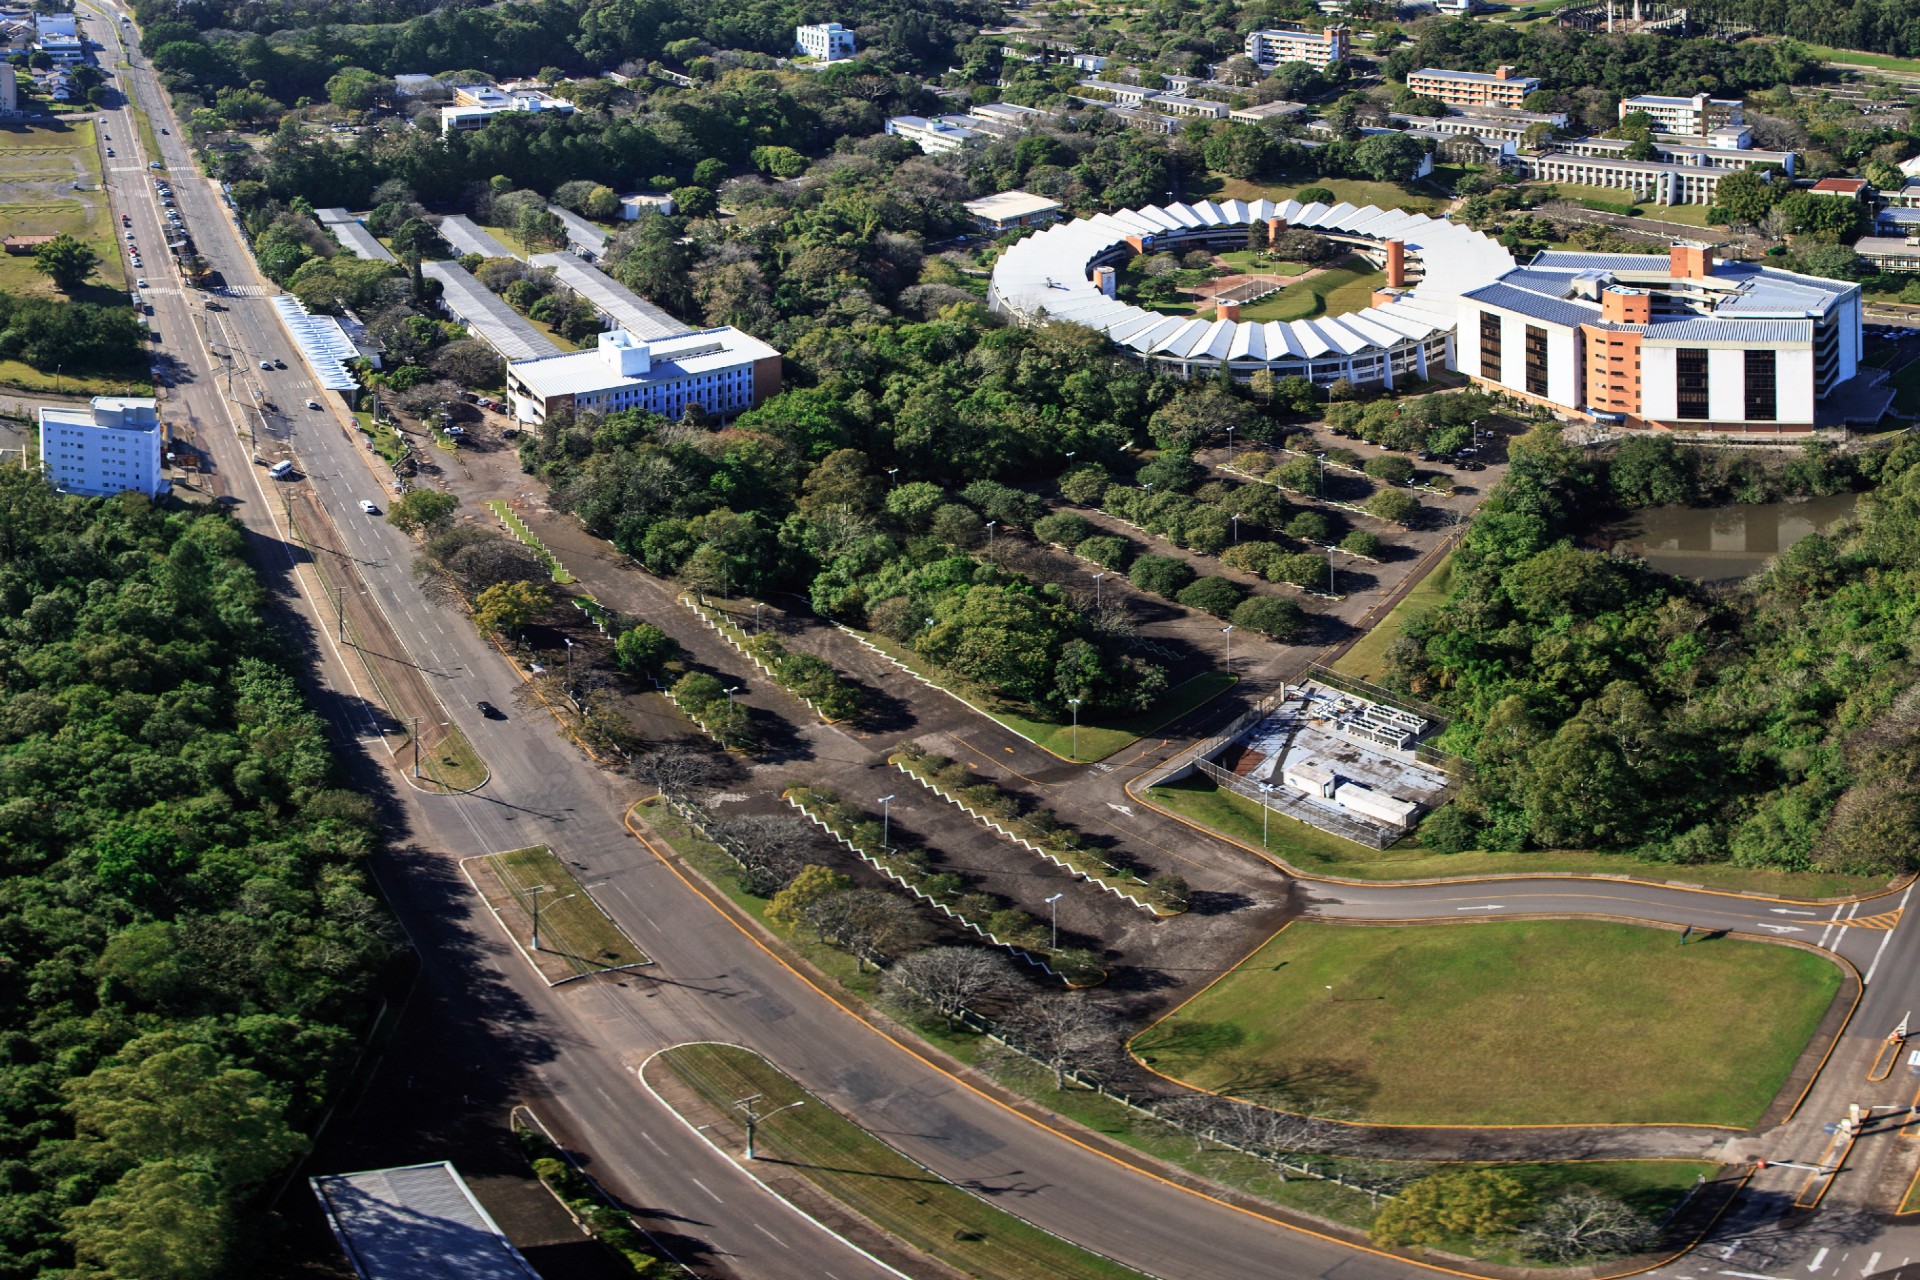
<point>576,1047</point>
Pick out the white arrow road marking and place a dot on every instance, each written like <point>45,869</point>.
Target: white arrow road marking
<point>1747,1275</point>
<point>1872,1262</point>
<point>1818,1259</point>
<point>1120,808</point>
<point>1492,906</point>
<point>1781,928</point>
<point>1783,911</point>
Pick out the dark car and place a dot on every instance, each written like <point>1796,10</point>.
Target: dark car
<point>1468,464</point>
<point>490,711</point>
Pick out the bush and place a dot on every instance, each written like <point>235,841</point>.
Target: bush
<point>1302,569</point>
<point>1271,616</point>
<point>1217,596</point>
<point>1361,543</point>
<point>1169,891</point>
<point>1085,484</point>
<point>1395,506</point>
<point>1064,527</point>
<point>1003,503</point>
<point>1300,474</point>
<point>1107,551</point>
<point>644,649</point>
<point>1337,457</point>
<point>1171,472</point>
<point>1310,526</point>
<point>1162,575</point>
<point>1250,557</point>
<point>1389,468</point>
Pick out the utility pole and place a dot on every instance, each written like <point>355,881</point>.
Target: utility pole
<point>535,893</point>
<point>754,1119</point>
<point>416,746</point>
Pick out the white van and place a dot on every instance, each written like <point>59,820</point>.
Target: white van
<point>279,469</point>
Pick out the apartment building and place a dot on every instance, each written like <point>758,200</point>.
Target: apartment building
<point>1698,116</point>
<point>823,41</point>
<point>1463,90</point>
<point>113,445</point>
<point>1318,49</point>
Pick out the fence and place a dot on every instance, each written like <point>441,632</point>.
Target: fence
<point>1283,801</point>
<point>731,634</point>
<point>1185,762</point>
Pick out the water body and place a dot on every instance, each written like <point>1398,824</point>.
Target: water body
<point>1719,544</point>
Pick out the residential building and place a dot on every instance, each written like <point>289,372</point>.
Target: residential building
<point>113,445</point>
<point>1278,110</point>
<point>936,134</point>
<point>1674,341</point>
<point>824,41</point>
<point>722,371</point>
<point>1466,89</point>
<point>1012,210</point>
<point>59,85</point>
<point>1697,116</point>
<point>1318,49</point>
<point>1890,253</point>
<point>58,36</point>
<point>474,105</point>
<point>1648,180</point>
<point>641,202</point>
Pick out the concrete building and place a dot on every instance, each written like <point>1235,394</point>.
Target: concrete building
<point>1648,180</point>
<point>486,314</point>
<point>1201,108</point>
<point>1279,110</point>
<point>58,36</point>
<point>1125,95</point>
<point>1463,90</point>
<point>824,41</point>
<point>937,134</point>
<point>1650,341</point>
<point>1006,118</point>
<point>1092,63</point>
<point>633,206</point>
<point>1890,253</point>
<point>1698,116</point>
<point>723,371</point>
<point>112,446</point>
<point>1146,119</point>
<point>1011,210</point>
<point>475,104</point>
<point>1846,188</point>
<point>1318,49</point>
<point>1682,153</point>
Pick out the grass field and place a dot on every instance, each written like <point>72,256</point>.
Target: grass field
<point>1315,852</point>
<point>572,925</point>
<point>851,1166</point>
<point>453,763</point>
<point>1247,261</point>
<point>1368,657</point>
<point>1333,292</point>
<point>1854,57</point>
<point>1098,738</point>
<point>42,160</point>
<point>1621,196</point>
<point>1504,1022</point>
<point>1387,195</point>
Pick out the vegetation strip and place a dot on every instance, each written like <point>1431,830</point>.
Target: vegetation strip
<point>813,1141</point>
<point>572,925</point>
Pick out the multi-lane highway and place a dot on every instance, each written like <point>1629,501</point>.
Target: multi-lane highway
<point>576,1047</point>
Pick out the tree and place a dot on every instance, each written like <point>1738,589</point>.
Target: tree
<point>420,510</point>
<point>679,769</point>
<point>357,89</point>
<point>65,261</point>
<point>1238,150</point>
<point>1300,474</point>
<point>780,162</point>
<point>1451,1206</point>
<point>951,981</point>
<point>1839,216</point>
<point>1059,1031</point>
<point>1361,542</point>
<point>469,362</point>
<point>511,605</point>
<point>162,1221</point>
<point>789,907</point>
<point>1271,616</point>
<point>1648,471</point>
<point>644,649</point>
<point>414,240</point>
<point>1194,416</point>
<point>1583,1224</point>
<point>693,202</point>
<point>1170,892</point>
<point>1743,196</point>
<point>867,924</point>
<point>1314,195</point>
<point>1388,157</point>
<point>1396,506</point>
<point>1390,468</point>
<point>1310,526</point>
<point>1218,596</point>
<point>1162,575</point>
<point>1302,569</point>
<point>1835,261</point>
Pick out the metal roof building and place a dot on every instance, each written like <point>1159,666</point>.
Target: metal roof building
<point>416,1222</point>
<point>323,344</point>
<point>618,305</point>
<point>466,237</point>
<point>581,234</point>
<point>487,315</point>
<point>359,241</point>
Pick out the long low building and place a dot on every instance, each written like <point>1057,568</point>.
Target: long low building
<point>359,241</point>
<point>581,234</point>
<point>1675,341</point>
<point>487,315</point>
<point>466,236</point>
<point>1428,261</point>
<point>1691,153</point>
<point>619,306</point>
<point>721,371</point>
<point>1648,180</point>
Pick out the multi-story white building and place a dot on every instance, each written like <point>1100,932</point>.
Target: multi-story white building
<point>58,36</point>
<point>1465,89</point>
<point>1012,210</point>
<point>1674,341</point>
<point>113,445</point>
<point>475,104</point>
<point>1648,180</point>
<point>824,41</point>
<point>935,134</point>
<point>723,371</point>
<point>1319,49</point>
<point>1699,115</point>
<point>1665,152</point>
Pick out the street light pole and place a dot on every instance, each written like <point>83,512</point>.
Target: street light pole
<point>755,1119</point>
<point>569,676</point>
<point>416,746</point>
<point>990,525</point>
<point>1227,631</point>
<point>1265,812</point>
<point>886,822</point>
<point>1053,905</point>
<point>1075,704</point>
<point>1236,526</point>
<point>1096,589</point>
<point>535,893</point>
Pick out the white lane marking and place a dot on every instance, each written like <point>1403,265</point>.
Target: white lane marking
<point>1491,906</point>
<point>1819,1259</point>
<point>1872,1262</point>
<point>1784,911</point>
<point>1779,928</point>
<point>1747,1275</point>
<point>769,1235</point>
<point>662,1150</point>
<point>1885,938</point>
<point>717,1200</point>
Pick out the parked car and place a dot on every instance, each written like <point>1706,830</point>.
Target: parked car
<point>141,283</point>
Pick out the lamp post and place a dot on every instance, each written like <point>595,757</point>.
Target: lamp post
<point>1230,431</point>
<point>756,617</point>
<point>1227,631</point>
<point>568,678</point>
<point>535,893</point>
<point>886,821</point>
<point>755,1119</point>
<point>1053,906</point>
<point>893,473</point>
<point>1323,475</point>
<point>990,525</point>
<point>1236,526</point>
<point>1267,790</point>
<point>1075,704</point>
<point>1096,589</point>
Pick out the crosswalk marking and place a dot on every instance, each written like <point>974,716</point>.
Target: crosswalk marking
<point>243,291</point>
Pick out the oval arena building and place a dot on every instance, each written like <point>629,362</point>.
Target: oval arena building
<point>1068,272</point>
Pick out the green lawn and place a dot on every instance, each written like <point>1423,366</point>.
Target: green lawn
<point>1333,292</point>
<point>1312,852</point>
<point>1367,660</point>
<point>1623,197</point>
<point>1504,1022</point>
<point>57,153</point>
<point>1098,738</point>
<point>1251,263</point>
<point>453,763</point>
<point>572,924</point>
<point>1884,62</point>
<point>1386,195</point>
<point>817,1143</point>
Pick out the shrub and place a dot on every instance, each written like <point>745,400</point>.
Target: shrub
<point>1162,575</point>
<point>1217,596</point>
<point>1300,474</point>
<point>1361,543</point>
<point>1395,506</point>
<point>1085,484</point>
<point>1207,530</point>
<point>1314,195</point>
<point>1271,616</point>
<point>1389,468</point>
<point>1064,527</point>
<point>1249,557</point>
<point>1302,569</point>
<point>644,649</point>
<point>1309,526</point>
<point>1169,891</point>
<point>1107,551</point>
<point>1171,472</point>
<point>1342,458</point>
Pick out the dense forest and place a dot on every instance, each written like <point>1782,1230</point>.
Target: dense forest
<point>186,937</point>
<point>1882,26</point>
<point>1605,705</point>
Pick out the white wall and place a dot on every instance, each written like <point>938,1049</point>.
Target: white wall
<point>1849,336</point>
<point>1727,385</point>
<point>1657,386</point>
<point>1563,366</point>
<point>1466,347</point>
<point>1793,382</point>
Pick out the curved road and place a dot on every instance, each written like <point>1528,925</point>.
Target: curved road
<point>579,1044</point>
